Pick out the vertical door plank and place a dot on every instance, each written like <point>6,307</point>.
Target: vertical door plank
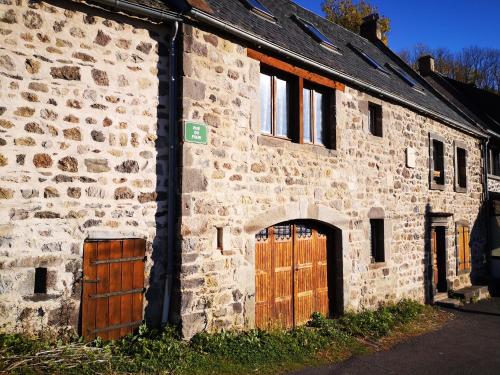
<point>115,285</point>
<point>467,252</point>
<point>321,275</point>
<point>434,245</point>
<point>262,283</point>
<point>102,308</point>
<point>127,284</point>
<point>283,275</point>
<point>461,248</point>
<point>88,304</point>
<point>138,280</point>
<point>304,269</point>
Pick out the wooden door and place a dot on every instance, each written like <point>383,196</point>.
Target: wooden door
<point>434,259</point>
<point>291,277</point>
<point>438,247</point>
<point>304,251</point>
<point>113,288</point>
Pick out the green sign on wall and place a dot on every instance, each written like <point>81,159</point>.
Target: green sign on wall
<point>195,133</point>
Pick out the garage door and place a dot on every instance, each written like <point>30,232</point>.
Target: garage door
<point>291,276</point>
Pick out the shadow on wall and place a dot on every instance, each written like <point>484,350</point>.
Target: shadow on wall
<point>156,250</point>
<point>158,273</point>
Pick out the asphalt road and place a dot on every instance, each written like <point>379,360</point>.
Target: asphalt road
<point>469,344</point>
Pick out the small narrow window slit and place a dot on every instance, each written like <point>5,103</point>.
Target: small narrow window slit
<point>220,238</point>
<point>40,280</point>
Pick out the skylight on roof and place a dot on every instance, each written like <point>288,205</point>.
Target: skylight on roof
<point>369,59</point>
<point>257,7</point>
<point>316,34</point>
<point>404,76</point>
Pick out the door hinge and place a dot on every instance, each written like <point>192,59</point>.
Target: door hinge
<point>89,281</point>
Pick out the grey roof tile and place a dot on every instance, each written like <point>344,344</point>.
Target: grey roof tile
<point>287,34</point>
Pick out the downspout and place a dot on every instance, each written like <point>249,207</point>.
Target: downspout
<point>249,37</point>
<point>161,15</point>
<point>487,202</point>
<point>173,144</point>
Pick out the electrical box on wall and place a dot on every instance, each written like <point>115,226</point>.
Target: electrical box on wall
<point>411,157</point>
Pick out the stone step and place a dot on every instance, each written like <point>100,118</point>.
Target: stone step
<point>449,302</point>
<point>440,297</point>
<point>472,293</point>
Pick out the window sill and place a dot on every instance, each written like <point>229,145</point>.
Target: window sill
<point>375,138</point>
<point>494,177</point>
<point>377,265</point>
<point>272,141</point>
<point>437,187</point>
<point>460,190</point>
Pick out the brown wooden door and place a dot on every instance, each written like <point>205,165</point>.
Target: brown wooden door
<point>291,278</point>
<point>435,273</point>
<point>113,288</point>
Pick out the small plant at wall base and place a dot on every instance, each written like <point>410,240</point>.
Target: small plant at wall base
<point>320,341</point>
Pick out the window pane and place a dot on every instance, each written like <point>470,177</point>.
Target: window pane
<point>281,107</point>
<point>307,115</point>
<point>265,103</point>
<point>319,117</point>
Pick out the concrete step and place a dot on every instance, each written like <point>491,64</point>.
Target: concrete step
<point>449,302</point>
<point>472,293</point>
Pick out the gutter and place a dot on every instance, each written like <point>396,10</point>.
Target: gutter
<point>252,38</point>
<point>141,10</point>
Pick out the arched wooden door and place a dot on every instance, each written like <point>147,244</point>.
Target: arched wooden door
<point>291,275</point>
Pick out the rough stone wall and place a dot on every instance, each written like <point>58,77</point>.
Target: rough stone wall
<point>494,184</point>
<point>83,150</point>
<point>243,182</point>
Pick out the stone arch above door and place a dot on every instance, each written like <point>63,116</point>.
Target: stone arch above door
<point>302,210</point>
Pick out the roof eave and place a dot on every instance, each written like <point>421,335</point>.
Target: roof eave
<point>141,10</point>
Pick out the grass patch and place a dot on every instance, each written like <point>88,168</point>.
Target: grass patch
<point>264,352</point>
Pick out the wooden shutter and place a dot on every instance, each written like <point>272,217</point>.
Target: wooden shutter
<point>467,254</point>
<point>113,288</point>
<point>463,248</point>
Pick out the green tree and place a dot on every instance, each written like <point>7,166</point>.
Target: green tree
<point>350,15</point>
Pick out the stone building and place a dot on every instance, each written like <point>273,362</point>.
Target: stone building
<point>247,163</point>
<point>481,107</point>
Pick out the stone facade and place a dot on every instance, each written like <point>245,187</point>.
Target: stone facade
<point>83,151</point>
<point>494,184</point>
<point>243,182</point>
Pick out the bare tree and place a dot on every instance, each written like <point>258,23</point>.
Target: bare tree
<point>474,65</point>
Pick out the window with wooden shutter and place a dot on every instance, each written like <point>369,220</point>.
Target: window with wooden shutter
<point>463,248</point>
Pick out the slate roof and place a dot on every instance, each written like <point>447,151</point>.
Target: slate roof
<point>480,105</point>
<point>287,34</point>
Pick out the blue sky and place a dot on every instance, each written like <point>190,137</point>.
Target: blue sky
<point>453,24</point>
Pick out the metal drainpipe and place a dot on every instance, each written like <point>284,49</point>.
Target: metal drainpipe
<point>487,202</point>
<point>172,172</point>
<point>142,10</point>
